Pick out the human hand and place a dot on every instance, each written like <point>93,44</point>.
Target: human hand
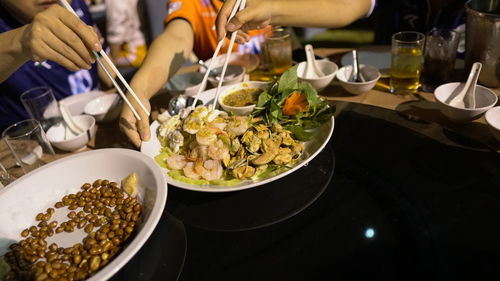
<point>256,15</point>
<point>136,131</point>
<point>58,35</point>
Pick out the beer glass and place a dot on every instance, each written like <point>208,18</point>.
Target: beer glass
<point>41,105</point>
<point>439,57</point>
<point>276,51</point>
<point>407,60</point>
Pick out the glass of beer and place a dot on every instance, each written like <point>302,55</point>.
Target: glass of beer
<point>407,61</point>
<point>276,51</point>
<point>439,57</point>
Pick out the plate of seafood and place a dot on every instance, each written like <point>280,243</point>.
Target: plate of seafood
<point>207,149</point>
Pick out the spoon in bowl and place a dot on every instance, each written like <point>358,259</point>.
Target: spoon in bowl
<point>311,70</point>
<point>466,98</point>
<point>356,73</point>
<point>180,102</point>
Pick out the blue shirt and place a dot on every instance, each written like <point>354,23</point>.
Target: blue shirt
<point>62,81</point>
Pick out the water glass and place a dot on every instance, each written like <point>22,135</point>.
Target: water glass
<point>41,105</point>
<point>439,57</point>
<point>29,144</point>
<point>276,51</point>
<point>407,60</point>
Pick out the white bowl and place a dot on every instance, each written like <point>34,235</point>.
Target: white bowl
<point>492,117</point>
<point>370,73</point>
<point>60,138</point>
<point>234,74</point>
<point>186,83</point>
<point>240,110</point>
<point>329,68</point>
<point>104,108</point>
<point>485,99</point>
<point>33,193</point>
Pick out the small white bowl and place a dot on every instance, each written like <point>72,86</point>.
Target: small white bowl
<point>186,83</point>
<point>57,134</point>
<point>329,68</point>
<point>485,99</point>
<point>370,73</point>
<point>492,117</point>
<point>240,110</point>
<point>104,108</point>
<point>234,74</point>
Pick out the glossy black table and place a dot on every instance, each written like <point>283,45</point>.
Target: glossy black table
<point>381,202</point>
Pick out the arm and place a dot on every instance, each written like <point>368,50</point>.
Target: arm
<point>304,13</point>
<point>54,34</point>
<point>165,56</point>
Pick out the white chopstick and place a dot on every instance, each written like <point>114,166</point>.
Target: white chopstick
<point>216,52</point>
<point>226,61</point>
<point>68,7</point>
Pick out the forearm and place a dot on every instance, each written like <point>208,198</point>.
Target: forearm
<point>11,52</point>
<point>327,13</point>
<point>165,56</point>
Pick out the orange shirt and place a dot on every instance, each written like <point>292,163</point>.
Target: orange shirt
<point>201,14</point>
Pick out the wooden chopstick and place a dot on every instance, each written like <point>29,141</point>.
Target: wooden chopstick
<point>68,7</point>
<point>216,52</point>
<point>226,61</point>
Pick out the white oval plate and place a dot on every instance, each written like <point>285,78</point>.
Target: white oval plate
<point>312,148</point>
<point>33,193</point>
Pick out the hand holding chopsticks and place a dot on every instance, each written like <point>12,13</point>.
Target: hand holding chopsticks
<point>110,64</point>
<point>239,5</point>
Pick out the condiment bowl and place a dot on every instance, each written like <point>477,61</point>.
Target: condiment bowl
<point>104,108</point>
<point>186,83</point>
<point>485,99</point>
<point>492,117</point>
<point>240,110</point>
<point>60,137</point>
<point>329,68</point>
<point>370,73</point>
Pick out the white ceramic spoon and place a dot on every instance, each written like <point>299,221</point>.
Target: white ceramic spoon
<point>467,97</point>
<point>68,119</point>
<point>311,70</point>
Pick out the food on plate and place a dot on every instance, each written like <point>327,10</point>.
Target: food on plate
<point>102,210</point>
<point>242,97</point>
<point>202,146</point>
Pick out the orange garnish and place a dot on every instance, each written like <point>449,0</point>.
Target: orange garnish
<point>295,103</point>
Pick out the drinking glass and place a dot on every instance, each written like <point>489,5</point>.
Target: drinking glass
<point>407,60</point>
<point>29,144</point>
<point>41,105</point>
<point>439,57</point>
<point>276,51</point>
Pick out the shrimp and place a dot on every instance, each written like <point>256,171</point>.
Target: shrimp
<point>212,170</point>
<point>237,125</point>
<point>207,135</point>
<point>200,151</point>
<point>218,150</point>
<point>176,162</point>
<point>190,172</point>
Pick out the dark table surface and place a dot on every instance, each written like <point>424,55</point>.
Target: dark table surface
<point>387,199</point>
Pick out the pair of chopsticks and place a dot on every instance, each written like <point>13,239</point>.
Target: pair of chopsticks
<point>68,7</point>
<point>238,6</point>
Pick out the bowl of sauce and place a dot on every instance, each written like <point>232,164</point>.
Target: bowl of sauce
<point>241,98</point>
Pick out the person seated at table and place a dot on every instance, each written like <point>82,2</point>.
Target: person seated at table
<point>189,27</point>
<point>313,13</point>
<point>43,44</point>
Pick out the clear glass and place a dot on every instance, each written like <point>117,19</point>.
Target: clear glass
<point>41,105</point>
<point>439,57</point>
<point>407,62</point>
<point>276,51</point>
<point>29,144</point>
